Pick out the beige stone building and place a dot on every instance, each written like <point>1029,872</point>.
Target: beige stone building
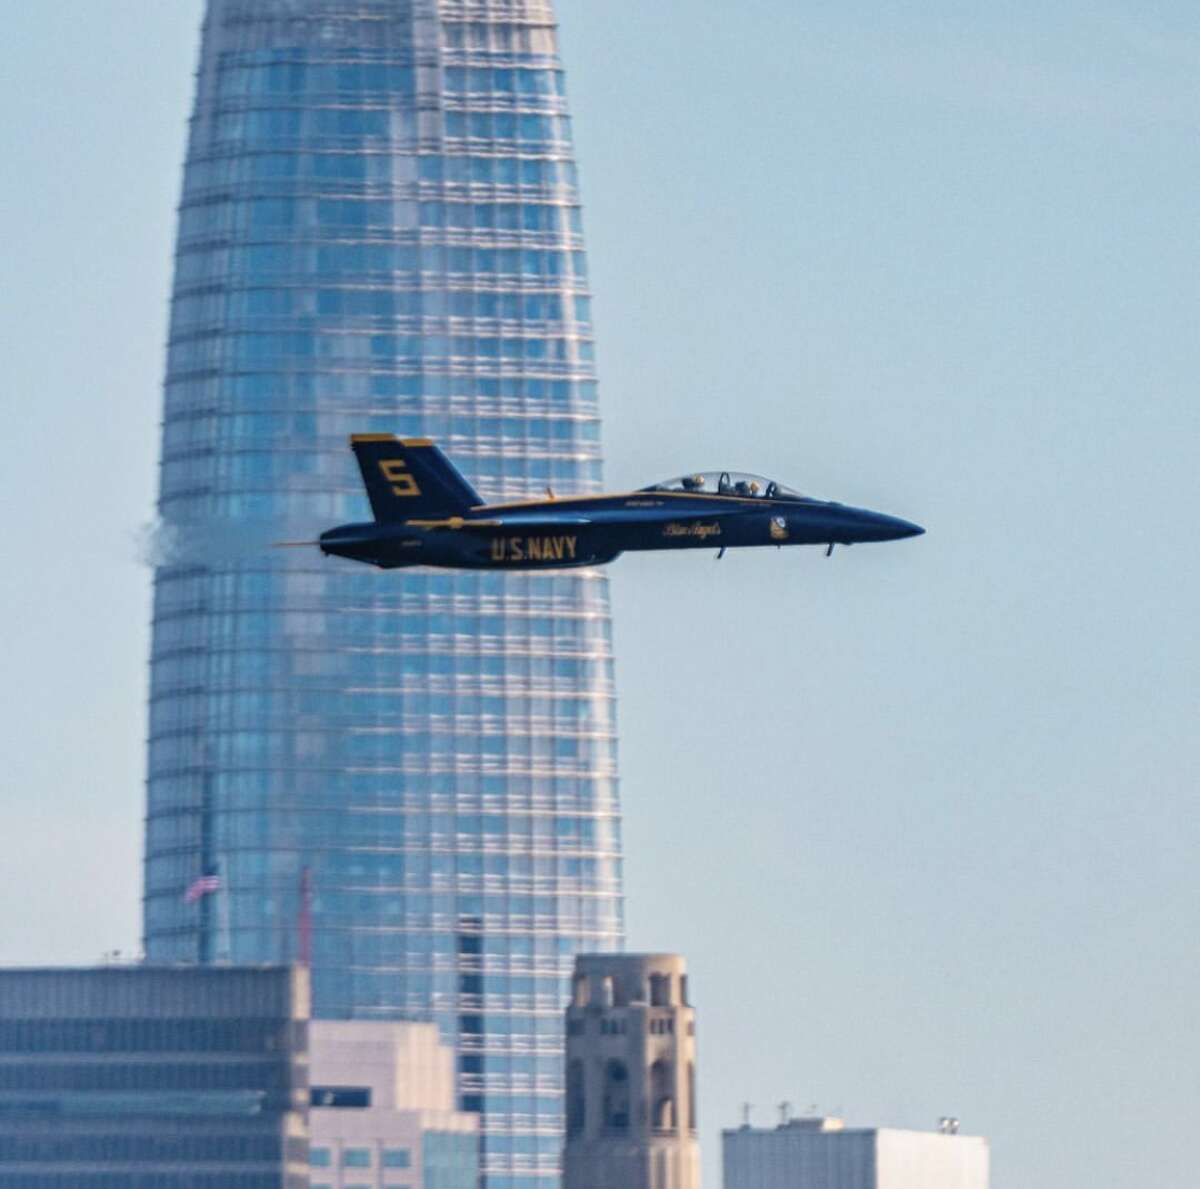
<point>383,1109</point>
<point>631,1075</point>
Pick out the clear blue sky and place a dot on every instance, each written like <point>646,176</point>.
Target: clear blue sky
<point>923,817</point>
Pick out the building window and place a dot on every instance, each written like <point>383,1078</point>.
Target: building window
<point>662,1099</point>
<point>580,991</point>
<point>396,1158</point>
<point>616,1096</point>
<point>356,1158</point>
<point>576,1103</point>
<point>320,1157</point>
<point>341,1097</point>
<point>451,1160</point>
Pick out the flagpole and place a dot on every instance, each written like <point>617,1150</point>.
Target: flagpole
<point>306,917</point>
<point>205,946</point>
<point>226,954</point>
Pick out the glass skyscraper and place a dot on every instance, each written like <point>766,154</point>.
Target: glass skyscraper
<point>411,775</point>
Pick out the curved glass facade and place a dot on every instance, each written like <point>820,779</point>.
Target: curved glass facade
<point>380,232</point>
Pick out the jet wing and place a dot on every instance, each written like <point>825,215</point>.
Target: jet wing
<point>536,520</point>
<point>544,520</point>
<point>522,521</point>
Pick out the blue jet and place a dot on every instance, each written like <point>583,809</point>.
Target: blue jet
<point>427,514</point>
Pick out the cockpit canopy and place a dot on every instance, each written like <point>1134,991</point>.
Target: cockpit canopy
<point>733,483</point>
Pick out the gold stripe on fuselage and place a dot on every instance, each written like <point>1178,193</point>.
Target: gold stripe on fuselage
<point>455,522</point>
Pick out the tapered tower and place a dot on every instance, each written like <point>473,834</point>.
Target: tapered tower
<point>380,232</point>
<point>631,1075</point>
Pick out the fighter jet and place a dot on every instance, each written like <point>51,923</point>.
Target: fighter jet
<point>427,514</point>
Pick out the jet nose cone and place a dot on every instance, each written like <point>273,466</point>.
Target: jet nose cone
<point>875,526</point>
<point>903,528</point>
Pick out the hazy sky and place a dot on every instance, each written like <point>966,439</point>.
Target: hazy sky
<point>923,817</point>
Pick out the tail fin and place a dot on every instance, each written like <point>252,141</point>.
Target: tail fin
<point>410,478</point>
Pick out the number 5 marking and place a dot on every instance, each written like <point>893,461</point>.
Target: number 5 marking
<point>396,473</point>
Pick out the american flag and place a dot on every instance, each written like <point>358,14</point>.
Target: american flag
<point>204,886</point>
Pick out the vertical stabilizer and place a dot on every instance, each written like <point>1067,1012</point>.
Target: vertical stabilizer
<point>408,478</point>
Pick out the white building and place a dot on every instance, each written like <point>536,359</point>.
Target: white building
<point>631,1075</point>
<point>383,1109</point>
<point>824,1154</point>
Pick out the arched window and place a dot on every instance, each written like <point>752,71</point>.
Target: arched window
<point>662,1096</point>
<point>616,1096</point>
<point>576,1102</point>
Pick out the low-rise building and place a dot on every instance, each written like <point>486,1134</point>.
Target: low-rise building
<point>822,1153</point>
<point>384,1112</point>
<point>189,1077</point>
